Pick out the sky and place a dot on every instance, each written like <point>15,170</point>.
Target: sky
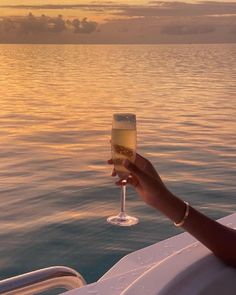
<point>122,22</point>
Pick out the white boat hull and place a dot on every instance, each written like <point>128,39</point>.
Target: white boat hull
<point>178,265</point>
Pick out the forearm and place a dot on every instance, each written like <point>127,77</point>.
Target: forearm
<point>220,239</point>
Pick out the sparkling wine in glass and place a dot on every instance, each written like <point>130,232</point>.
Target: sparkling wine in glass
<point>123,146</point>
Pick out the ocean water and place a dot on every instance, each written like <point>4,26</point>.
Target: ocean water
<point>56,108</point>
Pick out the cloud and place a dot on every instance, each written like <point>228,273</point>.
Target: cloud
<point>84,26</point>
<point>57,24</point>
<point>153,8</point>
<point>7,25</point>
<point>157,8</point>
<point>47,6</point>
<point>169,29</point>
<point>96,6</point>
<point>233,30</point>
<point>31,24</point>
<point>187,29</point>
<point>155,22</point>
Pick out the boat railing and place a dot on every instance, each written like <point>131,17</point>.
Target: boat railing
<point>57,277</point>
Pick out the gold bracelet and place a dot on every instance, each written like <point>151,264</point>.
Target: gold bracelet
<point>186,214</point>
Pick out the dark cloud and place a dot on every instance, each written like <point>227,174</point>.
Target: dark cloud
<point>57,24</point>
<point>7,25</point>
<point>155,22</point>
<point>93,6</point>
<point>153,8</point>
<point>31,24</point>
<point>47,6</point>
<point>157,8</point>
<point>84,26</point>
<point>187,29</point>
<point>233,30</point>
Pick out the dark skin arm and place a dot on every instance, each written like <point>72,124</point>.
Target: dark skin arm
<point>220,239</point>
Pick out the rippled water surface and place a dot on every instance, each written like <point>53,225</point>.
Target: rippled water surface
<point>55,121</point>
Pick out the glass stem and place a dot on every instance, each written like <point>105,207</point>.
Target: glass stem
<point>123,196</point>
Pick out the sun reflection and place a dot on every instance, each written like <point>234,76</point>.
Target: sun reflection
<point>56,109</point>
<point>58,218</point>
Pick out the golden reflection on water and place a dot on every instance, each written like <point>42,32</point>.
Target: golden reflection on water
<point>57,218</point>
<point>55,120</point>
<point>56,109</point>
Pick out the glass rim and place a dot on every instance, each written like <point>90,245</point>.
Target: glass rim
<point>124,114</point>
<point>124,121</point>
<point>124,117</point>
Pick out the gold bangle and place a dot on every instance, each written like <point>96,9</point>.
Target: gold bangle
<point>186,214</point>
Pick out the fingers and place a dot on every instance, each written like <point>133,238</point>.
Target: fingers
<point>139,157</point>
<point>141,162</point>
<point>110,162</point>
<point>133,181</point>
<point>134,169</point>
<point>131,167</point>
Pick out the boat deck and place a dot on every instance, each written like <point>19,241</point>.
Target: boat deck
<point>178,265</point>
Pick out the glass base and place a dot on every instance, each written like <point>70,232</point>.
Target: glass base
<point>122,220</point>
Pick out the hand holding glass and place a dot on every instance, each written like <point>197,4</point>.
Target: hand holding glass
<point>123,146</point>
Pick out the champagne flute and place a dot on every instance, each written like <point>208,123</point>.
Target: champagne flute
<point>123,146</point>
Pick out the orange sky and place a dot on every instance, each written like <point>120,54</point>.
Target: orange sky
<point>125,21</point>
<point>16,7</point>
<point>68,12</point>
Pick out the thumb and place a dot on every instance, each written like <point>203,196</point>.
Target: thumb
<point>134,169</point>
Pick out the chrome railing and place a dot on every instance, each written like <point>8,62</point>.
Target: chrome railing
<point>42,280</point>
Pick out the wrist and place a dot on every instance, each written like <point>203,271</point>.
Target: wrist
<point>161,197</point>
<point>170,205</point>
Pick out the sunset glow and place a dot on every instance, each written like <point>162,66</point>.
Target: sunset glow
<point>66,67</point>
<point>117,22</point>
